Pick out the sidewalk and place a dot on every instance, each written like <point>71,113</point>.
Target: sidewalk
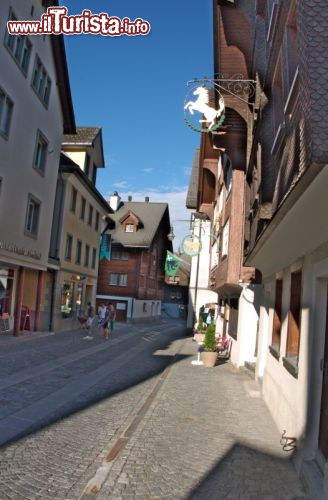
<point>7,337</point>
<point>206,434</point>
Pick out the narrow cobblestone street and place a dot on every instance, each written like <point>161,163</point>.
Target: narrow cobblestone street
<point>132,418</point>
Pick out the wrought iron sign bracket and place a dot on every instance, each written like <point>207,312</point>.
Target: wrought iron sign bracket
<point>205,97</point>
<point>235,85</point>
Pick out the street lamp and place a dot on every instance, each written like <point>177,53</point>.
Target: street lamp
<point>171,234</point>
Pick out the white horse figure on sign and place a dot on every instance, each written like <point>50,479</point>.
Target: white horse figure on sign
<point>202,105</point>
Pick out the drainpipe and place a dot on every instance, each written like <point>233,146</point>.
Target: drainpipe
<point>19,300</point>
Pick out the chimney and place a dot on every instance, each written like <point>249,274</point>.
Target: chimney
<point>147,199</point>
<point>114,201</point>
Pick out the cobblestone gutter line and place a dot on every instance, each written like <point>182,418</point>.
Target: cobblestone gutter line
<point>121,439</point>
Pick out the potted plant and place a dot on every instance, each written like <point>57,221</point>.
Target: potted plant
<point>209,354</point>
<point>199,333</point>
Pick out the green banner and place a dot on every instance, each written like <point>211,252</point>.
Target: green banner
<point>172,264</point>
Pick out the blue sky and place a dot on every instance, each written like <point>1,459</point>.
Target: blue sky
<point>134,88</point>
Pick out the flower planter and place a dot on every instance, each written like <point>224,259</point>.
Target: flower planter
<point>199,337</point>
<point>209,358</point>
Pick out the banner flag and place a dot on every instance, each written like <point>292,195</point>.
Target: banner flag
<point>172,264</point>
<point>105,247</point>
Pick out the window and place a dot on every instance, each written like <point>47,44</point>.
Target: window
<point>294,320</point>
<point>90,217</point>
<point>97,221</point>
<point>73,199</point>
<point>94,258</point>
<point>129,228</point>
<point>215,254</point>
<point>227,173</point>
<point>41,82</point>
<point>32,216</point>
<point>6,111</point>
<point>78,252</point>
<point>82,209</point>
<point>119,253</point>
<point>68,248</point>
<point>19,47</point>
<point>276,327</point>
<point>225,239</point>
<point>86,256</point>
<point>118,279</point>
<point>41,153</point>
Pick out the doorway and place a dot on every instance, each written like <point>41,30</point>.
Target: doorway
<point>323,429</point>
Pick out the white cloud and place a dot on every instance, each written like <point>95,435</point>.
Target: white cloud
<point>120,185</point>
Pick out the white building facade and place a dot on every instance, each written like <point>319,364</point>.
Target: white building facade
<point>35,110</point>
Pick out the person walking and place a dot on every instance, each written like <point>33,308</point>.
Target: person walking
<point>108,324</point>
<point>112,318</point>
<point>90,316</point>
<point>101,314</point>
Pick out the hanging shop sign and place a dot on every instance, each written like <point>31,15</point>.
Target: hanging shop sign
<point>191,245</point>
<point>204,107</point>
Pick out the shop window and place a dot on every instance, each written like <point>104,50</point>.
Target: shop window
<point>6,290</point>
<point>294,324</point>
<point>67,299</point>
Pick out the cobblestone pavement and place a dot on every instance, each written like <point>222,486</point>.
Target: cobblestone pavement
<point>151,426</point>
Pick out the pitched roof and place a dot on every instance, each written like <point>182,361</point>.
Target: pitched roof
<point>67,165</point>
<point>85,136</point>
<point>62,76</point>
<point>150,214</point>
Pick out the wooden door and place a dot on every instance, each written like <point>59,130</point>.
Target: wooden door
<point>323,431</point>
